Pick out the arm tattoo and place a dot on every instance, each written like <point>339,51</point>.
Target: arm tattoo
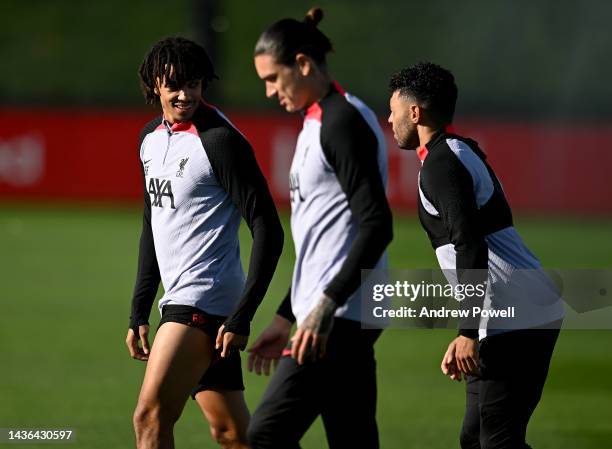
<point>321,319</point>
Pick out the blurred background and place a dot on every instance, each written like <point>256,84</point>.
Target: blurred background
<point>534,90</point>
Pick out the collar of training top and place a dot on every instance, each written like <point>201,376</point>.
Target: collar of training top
<point>424,150</point>
<point>422,153</point>
<point>442,134</point>
<point>314,111</point>
<point>177,127</point>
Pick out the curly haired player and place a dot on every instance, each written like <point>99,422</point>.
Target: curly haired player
<point>200,178</point>
<point>464,211</point>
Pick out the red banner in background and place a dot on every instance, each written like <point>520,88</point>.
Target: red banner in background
<point>78,155</point>
<point>93,156</point>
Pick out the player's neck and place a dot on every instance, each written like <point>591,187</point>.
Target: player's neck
<point>320,87</point>
<point>426,133</point>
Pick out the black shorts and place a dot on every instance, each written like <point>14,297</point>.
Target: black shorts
<point>223,373</point>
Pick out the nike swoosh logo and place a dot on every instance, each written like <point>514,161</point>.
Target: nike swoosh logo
<point>146,162</point>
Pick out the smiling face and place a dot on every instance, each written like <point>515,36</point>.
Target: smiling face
<point>179,102</point>
<point>404,118</point>
<point>288,83</point>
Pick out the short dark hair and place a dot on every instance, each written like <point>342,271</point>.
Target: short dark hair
<point>432,86</point>
<point>188,60</point>
<point>288,37</point>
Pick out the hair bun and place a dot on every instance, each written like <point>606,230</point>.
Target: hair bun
<point>314,16</point>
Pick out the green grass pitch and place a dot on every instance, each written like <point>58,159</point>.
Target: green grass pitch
<point>67,276</point>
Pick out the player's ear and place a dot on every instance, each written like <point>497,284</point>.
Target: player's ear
<point>416,113</point>
<point>304,64</point>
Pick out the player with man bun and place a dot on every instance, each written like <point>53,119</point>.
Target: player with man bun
<point>341,224</point>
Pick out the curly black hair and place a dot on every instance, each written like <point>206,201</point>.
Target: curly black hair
<point>188,61</point>
<point>432,86</point>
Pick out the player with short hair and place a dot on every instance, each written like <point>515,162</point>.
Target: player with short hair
<point>200,178</point>
<point>464,211</point>
<point>341,224</point>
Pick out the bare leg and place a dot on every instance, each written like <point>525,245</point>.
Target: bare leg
<point>227,415</point>
<point>179,356</point>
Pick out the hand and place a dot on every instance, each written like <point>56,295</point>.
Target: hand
<point>268,348</point>
<point>310,340</point>
<point>131,341</point>
<point>449,363</point>
<point>461,357</point>
<point>227,341</point>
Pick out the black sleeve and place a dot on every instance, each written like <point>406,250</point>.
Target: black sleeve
<point>450,186</point>
<point>148,277</point>
<point>236,169</point>
<point>350,146</point>
<point>284,309</point>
